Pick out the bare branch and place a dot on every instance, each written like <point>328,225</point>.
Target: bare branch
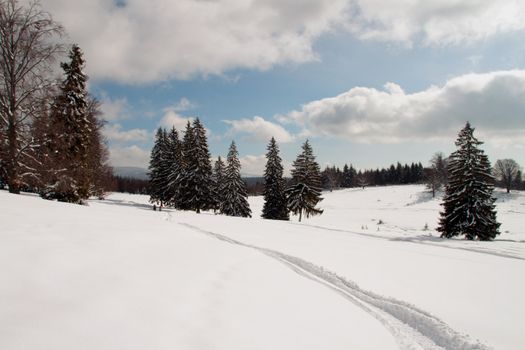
<point>27,50</point>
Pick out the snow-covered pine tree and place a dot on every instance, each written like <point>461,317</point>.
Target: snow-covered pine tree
<point>183,190</point>
<point>347,180</point>
<point>235,202</point>
<point>171,167</point>
<point>275,205</point>
<point>349,176</point>
<point>195,190</point>
<point>218,182</point>
<point>305,190</point>
<point>100,173</point>
<point>205,196</point>
<point>69,143</point>
<point>468,203</point>
<point>157,181</point>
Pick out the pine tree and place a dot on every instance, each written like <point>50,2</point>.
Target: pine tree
<point>184,186</point>
<point>235,195</point>
<point>218,182</point>
<point>349,175</point>
<point>69,135</point>
<point>157,181</point>
<point>468,203</point>
<point>274,198</point>
<point>171,167</point>
<point>100,173</point>
<point>305,190</point>
<point>195,190</point>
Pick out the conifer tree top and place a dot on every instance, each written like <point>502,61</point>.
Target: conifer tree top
<point>74,69</point>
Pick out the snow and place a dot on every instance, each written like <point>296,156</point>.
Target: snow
<point>115,274</point>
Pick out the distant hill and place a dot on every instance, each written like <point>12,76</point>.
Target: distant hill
<point>142,174</point>
<point>132,172</point>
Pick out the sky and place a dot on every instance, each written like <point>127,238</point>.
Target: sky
<point>368,82</point>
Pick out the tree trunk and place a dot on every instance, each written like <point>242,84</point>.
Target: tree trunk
<point>12,160</point>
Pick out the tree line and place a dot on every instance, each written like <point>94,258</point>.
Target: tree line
<point>397,174</point>
<point>507,174</point>
<point>182,177</point>
<point>50,129</point>
<point>128,184</point>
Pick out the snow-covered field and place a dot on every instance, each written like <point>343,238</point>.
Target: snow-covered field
<point>364,275</point>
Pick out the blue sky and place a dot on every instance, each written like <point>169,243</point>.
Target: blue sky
<point>367,82</point>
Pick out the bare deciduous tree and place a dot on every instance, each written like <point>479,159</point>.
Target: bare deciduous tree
<point>27,49</point>
<point>436,175</point>
<point>506,170</point>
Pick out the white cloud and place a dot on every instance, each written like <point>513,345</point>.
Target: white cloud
<point>114,132</point>
<point>114,109</point>
<point>436,22</point>
<point>259,129</point>
<point>184,105</point>
<point>252,165</point>
<point>492,102</point>
<point>129,156</point>
<point>172,119</point>
<point>145,41</point>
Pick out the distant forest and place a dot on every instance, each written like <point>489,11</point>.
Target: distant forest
<point>332,178</point>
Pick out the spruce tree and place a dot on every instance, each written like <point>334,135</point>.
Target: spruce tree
<point>468,203</point>
<point>305,190</point>
<point>171,168</point>
<point>195,190</point>
<point>235,201</point>
<point>69,136</point>
<point>157,181</point>
<point>349,176</point>
<point>218,182</point>
<point>183,190</point>
<point>275,205</point>
<point>100,173</point>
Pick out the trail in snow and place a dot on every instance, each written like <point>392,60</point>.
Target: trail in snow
<point>413,329</point>
<point>437,242</point>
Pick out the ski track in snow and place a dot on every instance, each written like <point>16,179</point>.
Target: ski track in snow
<point>412,328</point>
<point>503,254</point>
